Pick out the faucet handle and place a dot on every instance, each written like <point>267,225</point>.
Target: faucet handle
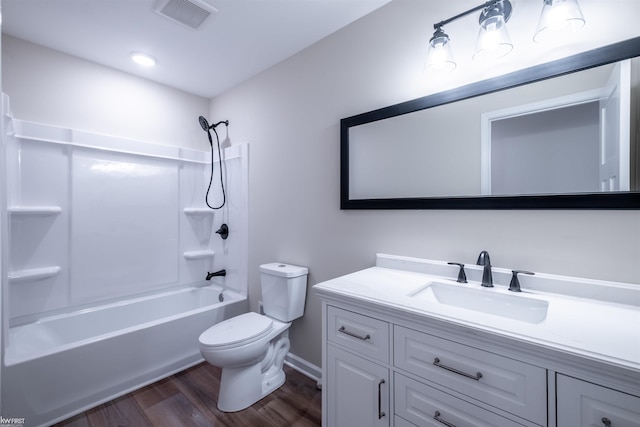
<point>462,277</point>
<point>514,285</point>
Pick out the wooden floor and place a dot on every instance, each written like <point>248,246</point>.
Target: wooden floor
<point>189,399</point>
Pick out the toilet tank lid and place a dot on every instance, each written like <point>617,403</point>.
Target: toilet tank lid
<point>283,270</point>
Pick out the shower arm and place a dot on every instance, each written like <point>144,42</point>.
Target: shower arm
<point>213,126</point>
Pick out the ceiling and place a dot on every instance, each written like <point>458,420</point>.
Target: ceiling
<point>243,38</point>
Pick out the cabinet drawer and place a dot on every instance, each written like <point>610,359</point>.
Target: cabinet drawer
<point>363,334</point>
<point>426,406</point>
<point>580,403</point>
<point>507,384</point>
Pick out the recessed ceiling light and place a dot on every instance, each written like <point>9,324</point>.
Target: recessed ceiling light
<point>143,59</point>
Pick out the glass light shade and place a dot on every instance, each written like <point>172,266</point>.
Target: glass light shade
<point>440,54</point>
<point>493,39</point>
<point>558,18</point>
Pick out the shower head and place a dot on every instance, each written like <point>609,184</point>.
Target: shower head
<point>204,123</point>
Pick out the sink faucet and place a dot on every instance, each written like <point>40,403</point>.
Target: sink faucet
<point>485,261</point>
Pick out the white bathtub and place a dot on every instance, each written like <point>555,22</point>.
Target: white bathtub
<point>64,364</point>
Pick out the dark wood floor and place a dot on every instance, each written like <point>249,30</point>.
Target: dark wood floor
<point>189,399</point>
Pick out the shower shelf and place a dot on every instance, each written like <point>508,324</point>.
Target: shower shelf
<point>193,255</point>
<point>198,211</point>
<point>35,210</point>
<point>34,274</point>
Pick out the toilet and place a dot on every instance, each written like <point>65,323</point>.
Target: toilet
<point>251,348</point>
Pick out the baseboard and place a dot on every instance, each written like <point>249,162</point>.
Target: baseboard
<point>305,368</point>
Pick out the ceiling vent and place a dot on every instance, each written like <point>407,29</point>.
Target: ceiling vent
<point>190,13</point>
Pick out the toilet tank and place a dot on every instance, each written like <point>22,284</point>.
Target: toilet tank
<point>284,290</point>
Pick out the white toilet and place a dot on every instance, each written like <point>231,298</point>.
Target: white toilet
<point>250,348</point>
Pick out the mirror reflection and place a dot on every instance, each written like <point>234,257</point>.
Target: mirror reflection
<point>518,141</point>
<point>566,135</point>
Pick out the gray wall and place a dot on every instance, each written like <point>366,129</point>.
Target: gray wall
<point>555,151</point>
<point>290,115</point>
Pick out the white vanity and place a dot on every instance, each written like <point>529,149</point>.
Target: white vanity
<point>405,345</point>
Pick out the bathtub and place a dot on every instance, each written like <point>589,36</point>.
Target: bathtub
<point>67,363</point>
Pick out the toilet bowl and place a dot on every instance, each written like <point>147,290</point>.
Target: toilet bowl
<point>251,348</point>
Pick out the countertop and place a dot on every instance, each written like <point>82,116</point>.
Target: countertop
<point>602,329</point>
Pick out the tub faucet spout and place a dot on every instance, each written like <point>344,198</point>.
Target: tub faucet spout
<point>485,261</point>
<point>222,272</point>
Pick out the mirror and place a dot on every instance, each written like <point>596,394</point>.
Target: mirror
<point>542,138</point>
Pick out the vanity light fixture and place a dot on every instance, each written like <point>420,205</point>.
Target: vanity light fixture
<point>493,39</point>
<point>558,17</point>
<point>440,55</point>
<point>143,59</point>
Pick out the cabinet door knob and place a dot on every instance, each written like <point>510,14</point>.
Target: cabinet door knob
<point>606,421</point>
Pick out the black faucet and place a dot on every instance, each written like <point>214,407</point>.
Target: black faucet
<point>514,286</point>
<point>462,277</point>
<point>217,273</point>
<point>484,260</point>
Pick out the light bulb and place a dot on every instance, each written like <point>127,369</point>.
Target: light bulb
<point>143,59</point>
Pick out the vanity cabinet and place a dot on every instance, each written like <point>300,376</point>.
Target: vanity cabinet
<point>375,366</point>
<point>581,403</point>
<point>396,356</point>
<point>381,373</point>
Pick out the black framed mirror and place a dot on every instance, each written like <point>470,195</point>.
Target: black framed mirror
<point>372,143</point>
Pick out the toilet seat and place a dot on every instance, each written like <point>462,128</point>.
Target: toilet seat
<point>243,329</point>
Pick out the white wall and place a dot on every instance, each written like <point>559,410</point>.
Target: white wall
<point>290,114</point>
<point>50,87</point>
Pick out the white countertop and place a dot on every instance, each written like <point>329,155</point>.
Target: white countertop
<point>606,331</point>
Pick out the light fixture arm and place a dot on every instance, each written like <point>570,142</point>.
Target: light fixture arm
<point>485,5</point>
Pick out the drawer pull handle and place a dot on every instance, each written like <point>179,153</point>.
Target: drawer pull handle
<point>351,334</point>
<point>436,417</point>
<point>380,413</point>
<point>475,377</point>
<point>606,421</point>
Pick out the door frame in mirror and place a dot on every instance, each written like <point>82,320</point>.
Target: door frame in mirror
<point>615,200</point>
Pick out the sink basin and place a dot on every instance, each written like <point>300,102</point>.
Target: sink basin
<point>490,301</point>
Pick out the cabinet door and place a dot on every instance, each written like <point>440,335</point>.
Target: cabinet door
<point>357,391</point>
<point>583,404</point>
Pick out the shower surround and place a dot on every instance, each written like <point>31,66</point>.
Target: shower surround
<point>108,243</point>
